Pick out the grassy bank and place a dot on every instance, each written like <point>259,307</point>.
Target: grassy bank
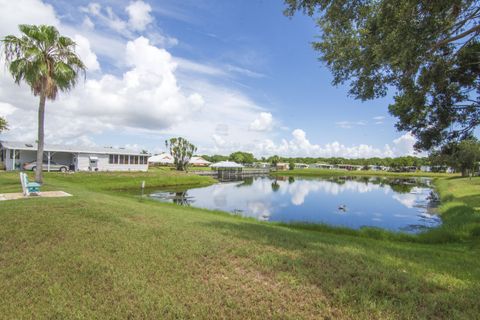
<point>329,173</point>
<point>102,255</point>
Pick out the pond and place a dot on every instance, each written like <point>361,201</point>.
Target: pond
<point>395,204</point>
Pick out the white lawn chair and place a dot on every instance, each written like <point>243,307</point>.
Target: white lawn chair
<point>29,187</point>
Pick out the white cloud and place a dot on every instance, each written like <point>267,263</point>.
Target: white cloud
<point>350,124</point>
<point>378,119</point>
<point>204,69</point>
<point>264,122</point>
<point>146,96</point>
<point>300,145</point>
<point>139,15</point>
<point>88,23</point>
<point>404,144</point>
<point>85,53</point>
<point>6,109</point>
<point>244,71</point>
<point>16,12</point>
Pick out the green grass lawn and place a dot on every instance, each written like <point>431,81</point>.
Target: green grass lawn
<point>105,254</point>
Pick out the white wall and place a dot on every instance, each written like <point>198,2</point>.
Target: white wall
<point>83,164</point>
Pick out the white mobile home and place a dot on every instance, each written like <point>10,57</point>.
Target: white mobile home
<point>13,156</point>
<point>161,159</point>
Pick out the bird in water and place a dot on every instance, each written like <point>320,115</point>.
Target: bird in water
<point>342,207</point>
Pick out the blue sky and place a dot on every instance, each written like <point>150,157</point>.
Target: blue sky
<point>228,75</point>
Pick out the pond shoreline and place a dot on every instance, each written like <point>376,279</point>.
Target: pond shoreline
<point>201,197</point>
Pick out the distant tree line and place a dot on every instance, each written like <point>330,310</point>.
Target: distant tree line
<point>248,158</point>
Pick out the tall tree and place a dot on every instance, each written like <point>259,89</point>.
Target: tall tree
<point>47,62</point>
<point>181,150</point>
<point>463,156</point>
<point>3,125</point>
<point>242,157</point>
<point>427,51</point>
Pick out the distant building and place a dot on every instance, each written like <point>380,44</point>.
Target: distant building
<point>324,166</point>
<point>14,155</point>
<point>199,162</point>
<point>426,168</point>
<point>161,159</point>
<point>301,165</point>
<point>282,166</point>
<point>349,167</point>
<point>373,167</point>
<point>262,165</point>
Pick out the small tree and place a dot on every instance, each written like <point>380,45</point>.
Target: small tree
<point>467,156</point>
<point>181,150</point>
<point>291,165</point>
<point>274,160</point>
<point>3,125</point>
<point>463,156</point>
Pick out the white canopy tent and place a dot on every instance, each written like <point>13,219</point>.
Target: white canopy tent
<point>226,164</point>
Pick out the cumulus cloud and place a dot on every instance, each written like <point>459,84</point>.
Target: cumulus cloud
<point>146,96</point>
<point>404,144</point>
<point>85,53</point>
<point>14,13</point>
<point>139,15</point>
<point>264,122</point>
<point>300,145</point>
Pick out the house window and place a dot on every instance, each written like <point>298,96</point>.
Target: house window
<point>122,159</point>
<point>114,159</point>
<point>143,160</point>
<point>135,159</point>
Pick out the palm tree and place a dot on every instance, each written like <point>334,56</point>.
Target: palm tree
<point>47,62</point>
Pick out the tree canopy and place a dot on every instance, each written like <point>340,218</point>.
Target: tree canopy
<point>463,156</point>
<point>3,125</point>
<point>427,52</point>
<point>215,158</point>
<point>242,157</point>
<point>181,150</point>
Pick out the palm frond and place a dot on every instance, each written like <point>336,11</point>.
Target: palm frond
<point>44,59</point>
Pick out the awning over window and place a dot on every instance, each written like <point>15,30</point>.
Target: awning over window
<point>93,158</point>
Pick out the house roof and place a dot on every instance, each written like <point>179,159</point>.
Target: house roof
<point>226,164</point>
<point>198,160</point>
<point>161,158</point>
<point>17,145</point>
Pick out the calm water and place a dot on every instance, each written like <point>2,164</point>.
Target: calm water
<point>394,204</point>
